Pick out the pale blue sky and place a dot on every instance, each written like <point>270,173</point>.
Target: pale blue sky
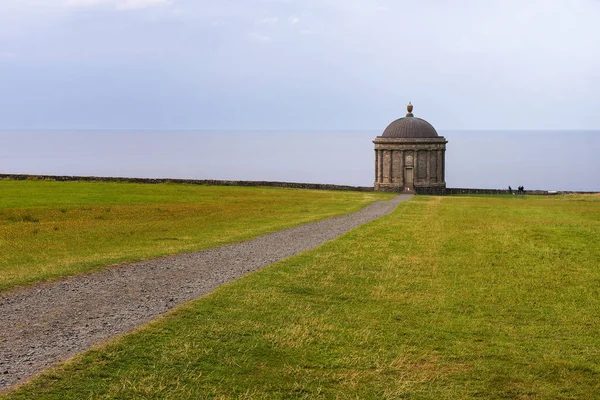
<point>299,64</point>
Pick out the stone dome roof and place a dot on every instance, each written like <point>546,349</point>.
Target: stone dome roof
<point>410,127</point>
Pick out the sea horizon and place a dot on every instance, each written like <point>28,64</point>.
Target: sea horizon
<point>563,160</point>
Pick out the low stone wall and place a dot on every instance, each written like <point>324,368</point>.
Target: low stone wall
<point>292,185</point>
<point>430,191</point>
<point>451,191</point>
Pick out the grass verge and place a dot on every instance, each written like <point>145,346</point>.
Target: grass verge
<point>51,229</point>
<point>446,298</point>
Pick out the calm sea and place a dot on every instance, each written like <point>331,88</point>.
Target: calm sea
<point>549,160</point>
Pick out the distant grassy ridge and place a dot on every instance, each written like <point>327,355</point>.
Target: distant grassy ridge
<point>51,229</point>
<point>446,298</point>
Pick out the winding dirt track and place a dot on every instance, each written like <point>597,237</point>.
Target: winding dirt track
<point>47,323</point>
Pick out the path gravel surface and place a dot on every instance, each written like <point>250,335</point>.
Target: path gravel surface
<point>47,323</point>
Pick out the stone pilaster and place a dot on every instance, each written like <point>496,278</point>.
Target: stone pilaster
<point>376,165</point>
<point>391,171</point>
<point>444,165</point>
<point>428,157</point>
<point>440,178</point>
<point>386,166</point>
<point>401,174</point>
<point>415,167</point>
<point>380,169</point>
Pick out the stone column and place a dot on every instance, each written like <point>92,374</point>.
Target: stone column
<point>376,164</point>
<point>415,167</point>
<point>386,166</point>
<point>401,174</point>
<point>444,165</point>
<point>380,166</point>
<point>428,158</point>
<point>440,178</point>
<point>391,171</point>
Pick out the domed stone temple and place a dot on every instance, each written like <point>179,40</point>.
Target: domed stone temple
<point>410,156</point>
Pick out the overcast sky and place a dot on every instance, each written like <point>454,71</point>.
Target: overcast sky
<point>299,64</point>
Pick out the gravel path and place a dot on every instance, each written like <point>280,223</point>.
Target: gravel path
<point>47,323</point>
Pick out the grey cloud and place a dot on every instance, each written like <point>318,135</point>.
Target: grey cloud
<point>318,64</point>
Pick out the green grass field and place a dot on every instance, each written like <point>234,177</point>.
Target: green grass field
<point>50,229</point>
<point>446,298</point>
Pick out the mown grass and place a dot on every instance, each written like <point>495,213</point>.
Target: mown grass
<point>446,298</point>
<point>50,229</point>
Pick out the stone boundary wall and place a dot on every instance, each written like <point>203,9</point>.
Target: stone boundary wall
<point>430,191</point>
<point>451,191</point>
<point>292,185</point>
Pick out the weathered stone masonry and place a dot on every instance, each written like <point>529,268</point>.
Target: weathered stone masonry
<point>398,158</point>
<point>410,156</point>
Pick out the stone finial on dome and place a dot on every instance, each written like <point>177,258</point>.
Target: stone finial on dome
<point>409,108</point>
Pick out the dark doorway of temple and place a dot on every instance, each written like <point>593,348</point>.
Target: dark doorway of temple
<point>408,177</point>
